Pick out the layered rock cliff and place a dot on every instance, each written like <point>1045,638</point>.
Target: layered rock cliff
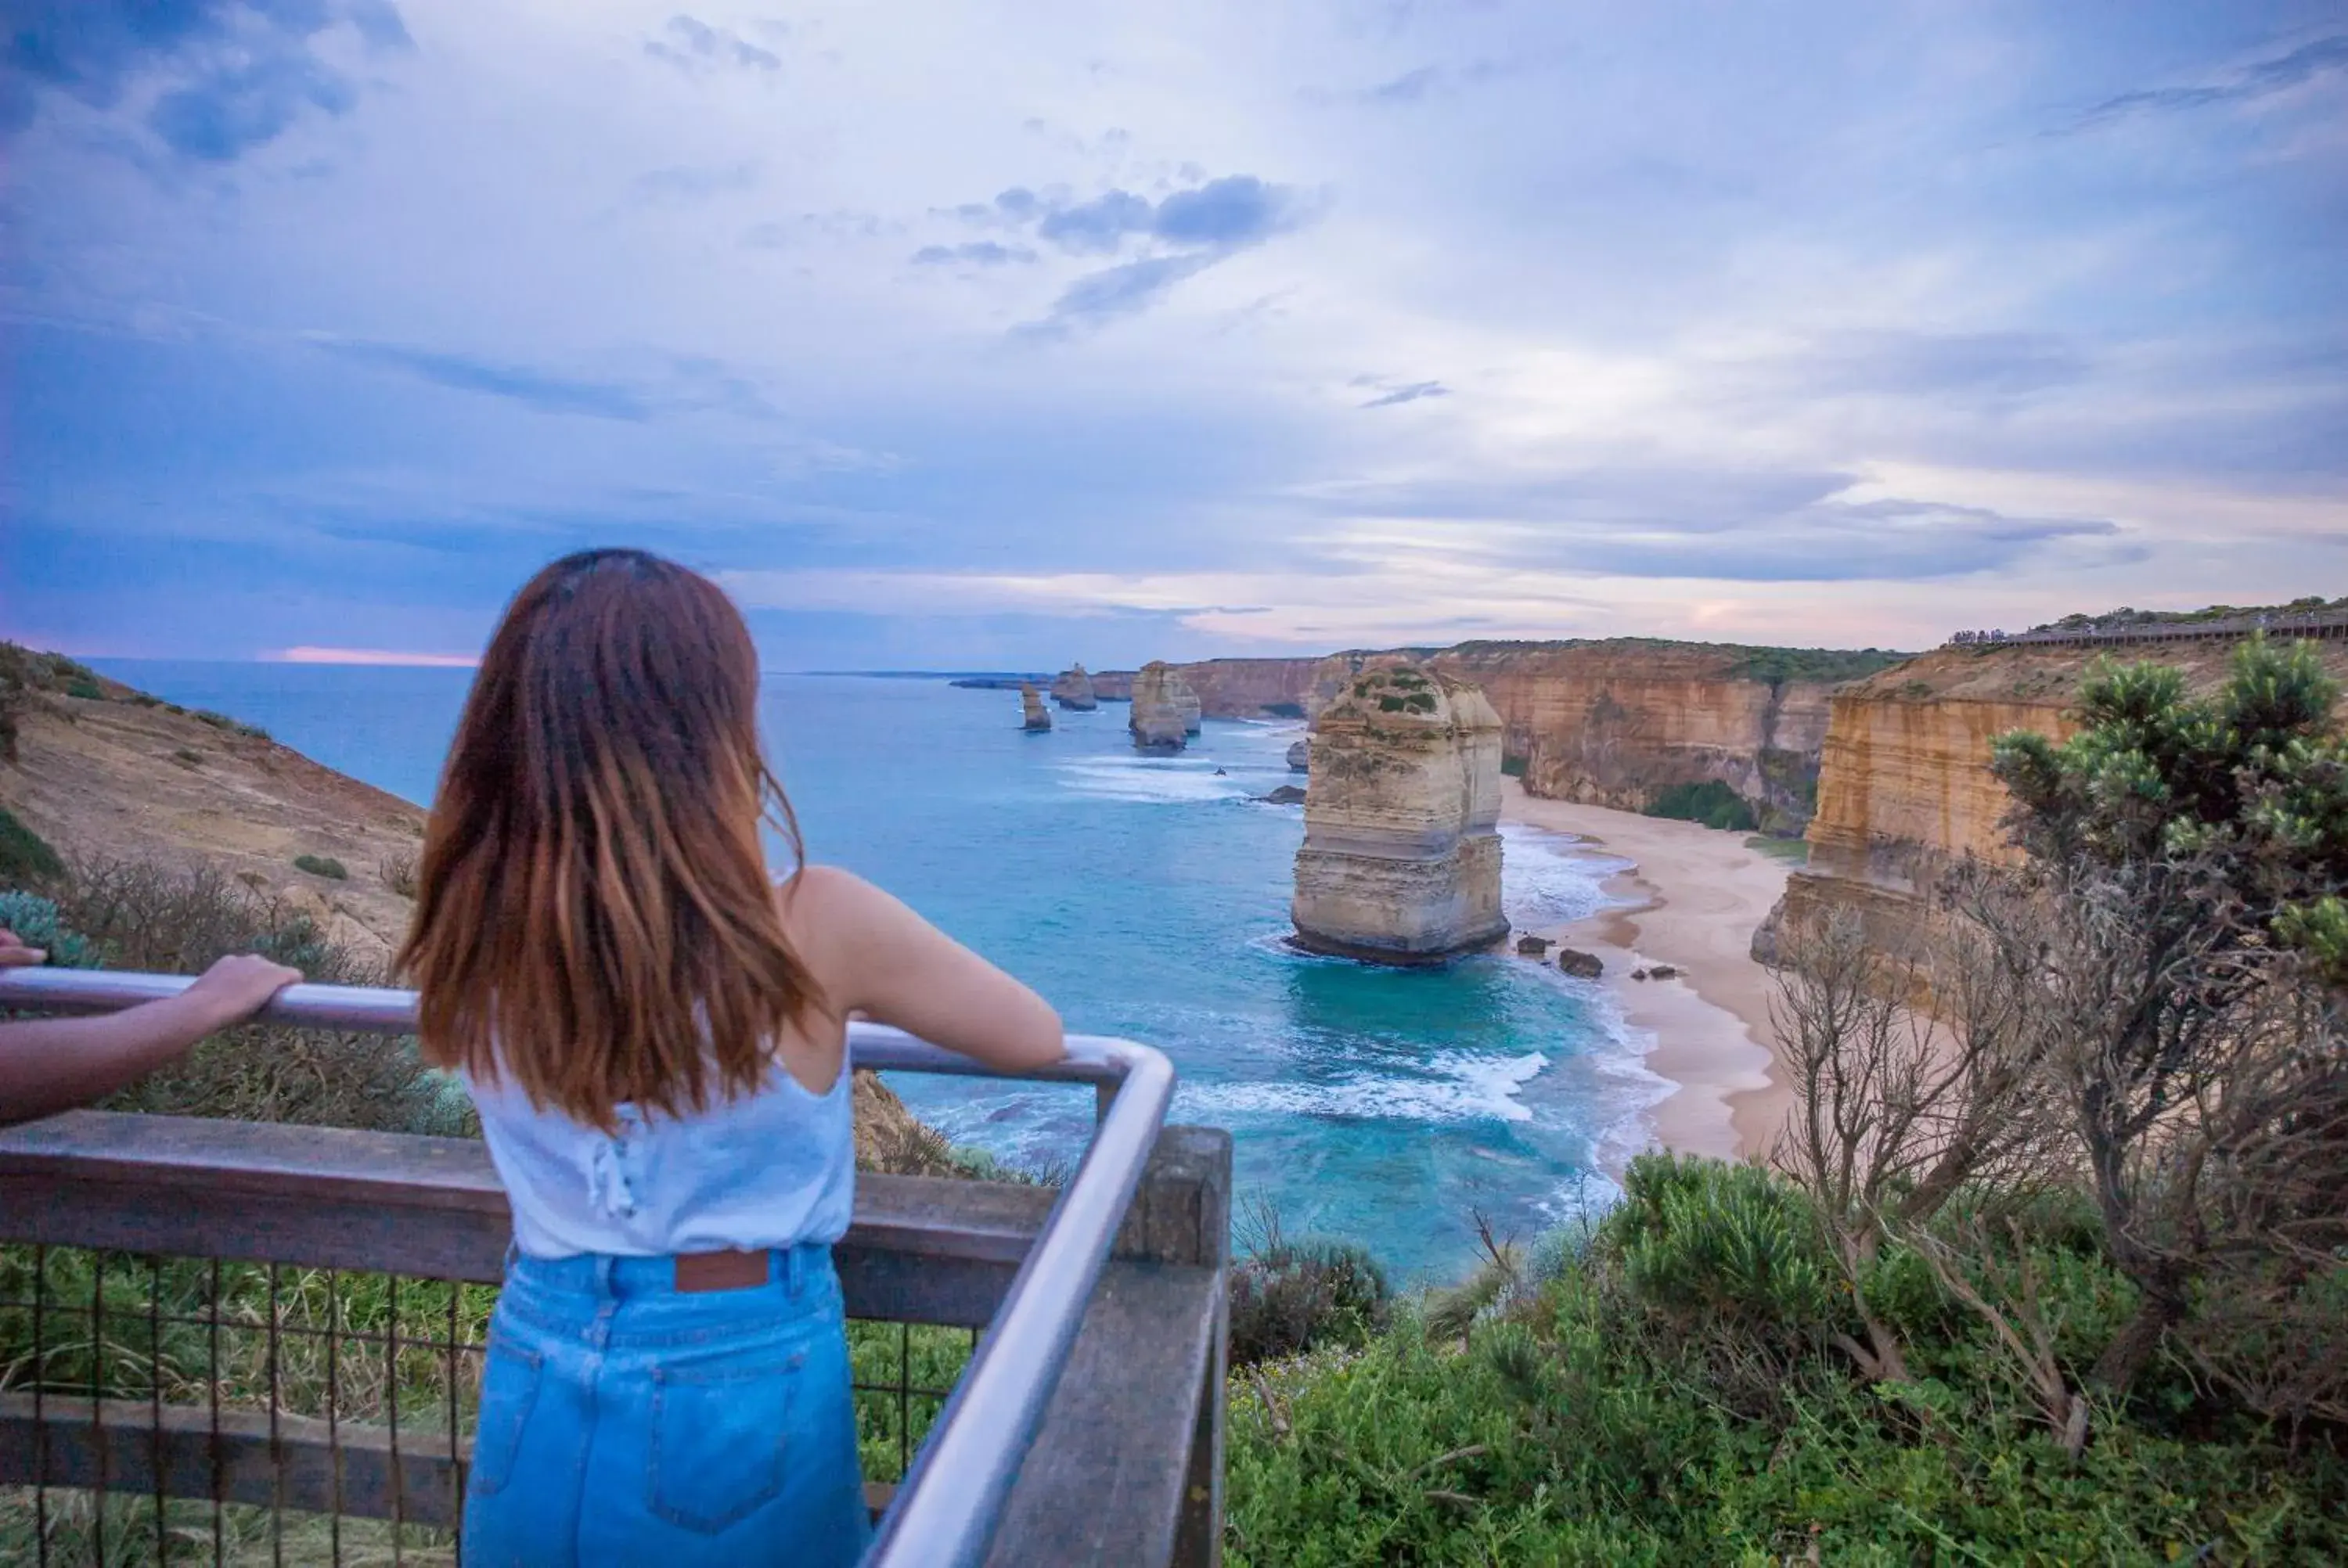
<point>1165,709</point>
<point>1904,784</point>
<point>1073,689</point>
<point>1401,858</point>
<point>1618,723</point>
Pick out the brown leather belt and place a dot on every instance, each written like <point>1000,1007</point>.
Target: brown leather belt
<point>723,1270</point>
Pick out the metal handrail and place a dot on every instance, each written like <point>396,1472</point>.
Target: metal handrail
<point>947,1510</point>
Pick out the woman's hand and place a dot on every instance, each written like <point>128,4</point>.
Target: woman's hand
<point>235,989</point>
<point>14,955</point>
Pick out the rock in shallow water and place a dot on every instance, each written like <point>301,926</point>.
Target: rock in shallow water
<point>1582,966</point>
<point>1532,947</point>
<point>1300,756</point>
<point>1032,715</point>
<point>1074,691</point>
<point>1286,795</point>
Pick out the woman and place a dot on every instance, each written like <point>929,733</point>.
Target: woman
<point>654,1034</point>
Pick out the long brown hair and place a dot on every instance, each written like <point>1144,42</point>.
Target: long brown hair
<point>594,916</point>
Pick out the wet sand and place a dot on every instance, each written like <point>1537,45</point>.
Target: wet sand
<point>1693,900</point>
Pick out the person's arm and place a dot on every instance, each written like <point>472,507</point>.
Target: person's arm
<point>874,955</point>
<point>53,1065</point>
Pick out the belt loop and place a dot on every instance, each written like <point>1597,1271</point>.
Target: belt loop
<point>604,1285</point>
<point>792,1260</point>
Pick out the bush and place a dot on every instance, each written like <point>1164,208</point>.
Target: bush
<point>140,915</point>
<point>87,690</point>
<point>397,873</point>
<point>24,856</point>
<point>187,758</point>
<point>1288,1297</point>
<point>323,866</point>
<point>1511,766</point>
<point>1711,803</point>
<point>34,921</point>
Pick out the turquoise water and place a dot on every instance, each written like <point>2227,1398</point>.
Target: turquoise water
<point>1146,898</point>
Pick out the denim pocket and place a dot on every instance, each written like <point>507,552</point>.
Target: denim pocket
<point>718,1440</point>
<point>509,1389</point>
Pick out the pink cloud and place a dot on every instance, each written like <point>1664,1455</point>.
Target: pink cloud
<point>375,656</point>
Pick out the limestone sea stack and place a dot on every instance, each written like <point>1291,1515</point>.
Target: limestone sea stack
<point>1401,859</point>
<point>1300,757</point>
<point>1032,715</point>
<point>1165,709</point>
<point>1074,691</point>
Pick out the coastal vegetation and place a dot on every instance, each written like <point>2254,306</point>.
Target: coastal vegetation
<point>1710,802</point>
<point>323,866</point>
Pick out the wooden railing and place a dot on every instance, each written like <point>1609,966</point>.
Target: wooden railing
<point>1121,1464</point>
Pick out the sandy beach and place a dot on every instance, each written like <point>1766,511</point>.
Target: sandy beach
<point>1692,900</point>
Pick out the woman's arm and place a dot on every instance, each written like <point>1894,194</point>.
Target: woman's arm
<point>876,957</point>
<point>52,1064</point>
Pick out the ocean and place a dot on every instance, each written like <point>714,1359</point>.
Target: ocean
<point>1146,898</point>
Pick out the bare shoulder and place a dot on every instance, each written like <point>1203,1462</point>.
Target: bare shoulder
<point>825,907</point>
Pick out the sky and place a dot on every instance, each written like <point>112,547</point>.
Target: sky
<point>999,335</point>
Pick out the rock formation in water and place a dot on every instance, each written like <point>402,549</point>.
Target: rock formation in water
<point>1073,689</point>
<point>1582,966</point>
<point>1904,788</point>
<point>1032,715</point>
<point>1165,709</point>
<point>1284,794</point>
<point>1300,756</point>
<point>1401,859</point>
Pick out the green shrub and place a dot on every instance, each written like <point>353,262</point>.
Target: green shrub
<point>188,757</point>
<point>1512,767</point>
<point>87,690</point>
<point>1288,1297</point>
<point>36,921</point>
<point>24,856</point>
<point>1735,1245</point>
<point>1711,803</point>
<point>143,700</point>
<point>323,866</point>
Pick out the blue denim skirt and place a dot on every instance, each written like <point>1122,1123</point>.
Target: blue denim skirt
<point>624,1421</point>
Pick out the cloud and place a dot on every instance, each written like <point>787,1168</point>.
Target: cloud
<point>1100,224</point>
<point>975,253</point>
<point>2321,57</point>
<point>238,74</point>
<point>1191,229</point>
<point>693,45</point>
<point>1410,393</point>
<point>226,114</point>
<point>1238,209</point>
<point>1121,290</point>
<point>516,384</point>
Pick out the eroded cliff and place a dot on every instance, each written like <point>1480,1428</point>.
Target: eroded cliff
<point>1618,723</point>
<point>1904,784</point>
<point>1401,858</point>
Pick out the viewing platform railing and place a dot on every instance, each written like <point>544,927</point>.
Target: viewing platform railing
<point>1085,1427</point>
